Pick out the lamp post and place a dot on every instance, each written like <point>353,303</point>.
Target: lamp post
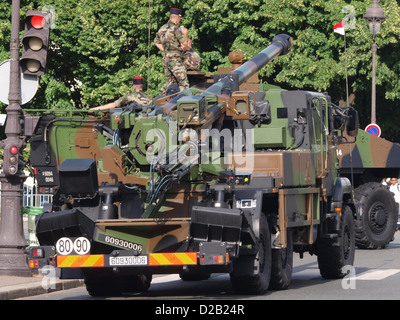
<point>374,16</point>
<point>12,240</point>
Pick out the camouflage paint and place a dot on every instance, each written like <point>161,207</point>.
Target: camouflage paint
<point>156,132</point>
<point>154,235</point>
<point>74,137</point>
<point>299,207</point>
<point>276,133</point>
<point>288,169</point>
<point>369,151</point>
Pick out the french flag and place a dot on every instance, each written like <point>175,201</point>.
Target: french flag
<point>339,28</point>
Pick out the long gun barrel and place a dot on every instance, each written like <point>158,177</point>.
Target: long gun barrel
<point>281,45</point>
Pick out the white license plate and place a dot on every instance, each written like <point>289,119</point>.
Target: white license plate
<point>128,261</point>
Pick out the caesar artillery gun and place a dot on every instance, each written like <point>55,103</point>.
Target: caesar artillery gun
<point>204,181</point>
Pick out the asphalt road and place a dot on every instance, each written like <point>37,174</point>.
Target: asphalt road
<point>376,276</point>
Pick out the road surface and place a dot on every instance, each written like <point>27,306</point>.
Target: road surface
<point>376,276</point>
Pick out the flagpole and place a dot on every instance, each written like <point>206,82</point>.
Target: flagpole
<point>341,29</point>
<point>345,61</point>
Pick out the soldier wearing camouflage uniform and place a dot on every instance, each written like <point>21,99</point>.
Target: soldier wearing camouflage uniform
<point>136,96</point>
<point>170,39</point>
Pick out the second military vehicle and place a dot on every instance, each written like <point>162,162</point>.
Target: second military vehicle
<point>366,163</point>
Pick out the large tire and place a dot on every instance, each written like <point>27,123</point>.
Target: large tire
<point>378,214</point>
<point>282,265</point>
<point>335,253</point>
<point>252,274</point>
<point>137,283</point>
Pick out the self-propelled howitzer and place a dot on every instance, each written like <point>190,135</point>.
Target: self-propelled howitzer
<point>205,181</point>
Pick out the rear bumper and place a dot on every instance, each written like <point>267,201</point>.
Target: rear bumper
<point>210,257</point>
<point>127,260</point>
<point>145,260</point>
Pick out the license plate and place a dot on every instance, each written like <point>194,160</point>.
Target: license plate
<point>129,261</point>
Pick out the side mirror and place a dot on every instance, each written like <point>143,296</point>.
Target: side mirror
<point>352,123</point>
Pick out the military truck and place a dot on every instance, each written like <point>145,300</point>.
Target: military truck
<point>366,163</point>
<point>204,181</point>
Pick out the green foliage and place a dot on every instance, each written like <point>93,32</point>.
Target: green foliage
<point>98,45</point>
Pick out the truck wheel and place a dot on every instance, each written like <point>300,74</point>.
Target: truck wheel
<point>335,253</point>
<point>282,265</point>
<point>377,222</point>
<point>252,274</point>
<point>137,283</point>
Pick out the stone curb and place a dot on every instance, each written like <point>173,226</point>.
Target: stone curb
<point>35,288</point>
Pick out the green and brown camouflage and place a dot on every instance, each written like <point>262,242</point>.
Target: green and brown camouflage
<point>367,162</point>
<point>171,38</point>
<point>239,178</point>
<point>370,159</point>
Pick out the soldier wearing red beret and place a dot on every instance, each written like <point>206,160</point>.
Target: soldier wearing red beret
<point>136,96</point>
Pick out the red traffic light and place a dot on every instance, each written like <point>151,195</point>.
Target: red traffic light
<point>11,159</point>
<point>38,22</point>
<point>13,150</point>
<point>35,42</point>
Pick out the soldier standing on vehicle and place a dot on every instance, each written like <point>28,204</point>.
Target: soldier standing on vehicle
<point>172,39</point>
<point>136,96</point>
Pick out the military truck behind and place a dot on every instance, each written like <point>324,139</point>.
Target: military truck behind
<point>366,163</point>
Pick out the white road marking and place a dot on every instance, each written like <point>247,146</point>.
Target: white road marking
<point>378,274</point>
<point>373,274</point>
<point>175,277</point>
<point>167,278</point>
<point>307,274</point>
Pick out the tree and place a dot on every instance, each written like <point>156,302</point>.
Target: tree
<point>97,46</point>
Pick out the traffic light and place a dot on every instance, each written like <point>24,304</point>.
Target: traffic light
<point>11,159</point>
<point>35,42</point>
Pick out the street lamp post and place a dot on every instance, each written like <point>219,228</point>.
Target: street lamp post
<point>12,240</point>
<point>374,16</point>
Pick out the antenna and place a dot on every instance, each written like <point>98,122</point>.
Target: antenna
<point>148,47</point>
